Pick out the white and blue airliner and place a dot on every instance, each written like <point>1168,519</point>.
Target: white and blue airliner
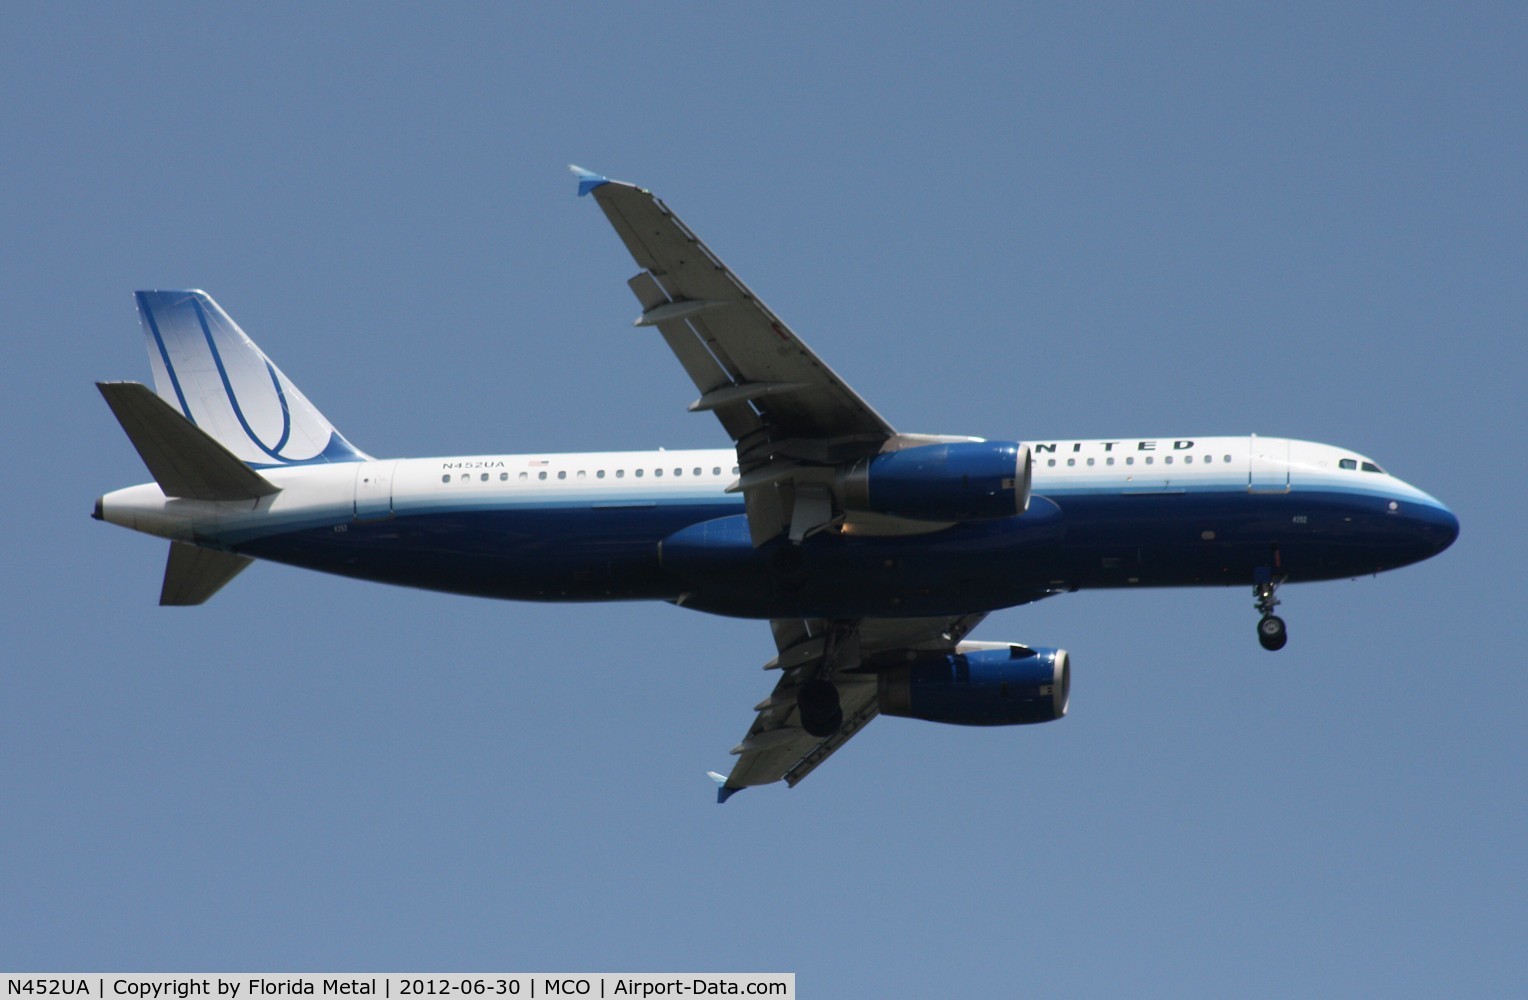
<point>872,553</point>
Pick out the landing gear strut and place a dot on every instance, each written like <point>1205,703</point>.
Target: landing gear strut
<point>1270,630</point>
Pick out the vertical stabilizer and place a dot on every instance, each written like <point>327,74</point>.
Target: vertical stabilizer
<point>207,368</point>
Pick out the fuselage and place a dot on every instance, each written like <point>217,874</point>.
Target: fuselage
<point>1137,512</point>
<point>873,552</point>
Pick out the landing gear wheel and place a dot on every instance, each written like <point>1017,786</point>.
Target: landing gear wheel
<point>1272,633</point>
<point>821,713</point>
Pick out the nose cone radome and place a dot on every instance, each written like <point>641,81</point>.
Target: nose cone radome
<point>1436,525</point>
<point>1421,526</point>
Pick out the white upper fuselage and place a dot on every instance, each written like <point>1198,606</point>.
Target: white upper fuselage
<point>313,495</point>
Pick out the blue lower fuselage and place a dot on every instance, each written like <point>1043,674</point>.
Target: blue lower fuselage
<point>696,551</point>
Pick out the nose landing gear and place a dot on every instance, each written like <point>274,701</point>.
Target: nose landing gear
<point>1271,632</point>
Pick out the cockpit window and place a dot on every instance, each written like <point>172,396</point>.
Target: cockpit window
<point>1348,463</point>
<point>1371,467</point>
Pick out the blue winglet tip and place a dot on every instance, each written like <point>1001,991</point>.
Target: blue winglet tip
<point>588,180</point>
<point>723,793</point>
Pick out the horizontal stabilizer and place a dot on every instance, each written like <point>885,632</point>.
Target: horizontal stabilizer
<point>192,574</point>
<point>183,459</point>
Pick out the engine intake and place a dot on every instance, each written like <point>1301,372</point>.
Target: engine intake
<point>981,684</point>
<point>957,481</point>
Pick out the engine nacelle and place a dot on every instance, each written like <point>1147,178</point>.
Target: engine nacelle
<point>957,481</point>
<point>981,684</point>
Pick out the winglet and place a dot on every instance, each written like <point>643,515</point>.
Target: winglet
<point>588,180</point>
<point>723,793</point>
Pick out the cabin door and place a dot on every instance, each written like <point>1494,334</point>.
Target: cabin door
<point>374,490</point>
<point>1268,469</point>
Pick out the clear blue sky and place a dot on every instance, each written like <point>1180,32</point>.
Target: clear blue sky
<point>1307,220</point>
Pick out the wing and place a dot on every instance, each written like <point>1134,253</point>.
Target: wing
<point>789,414</point>
<point>777,746</point>
<point>794,422</point>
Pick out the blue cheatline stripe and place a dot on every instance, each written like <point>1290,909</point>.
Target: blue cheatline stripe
<point>164,355</point>
<point>238,530</point>
<point>217,359</point>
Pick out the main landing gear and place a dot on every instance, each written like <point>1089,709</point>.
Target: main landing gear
<point>1270,630</point>
<point>821,712</point>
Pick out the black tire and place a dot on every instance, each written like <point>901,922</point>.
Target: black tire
<point>1272,633</point>
<point>821,714</point>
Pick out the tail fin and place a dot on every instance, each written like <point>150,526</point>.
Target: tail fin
<point>207,368</point>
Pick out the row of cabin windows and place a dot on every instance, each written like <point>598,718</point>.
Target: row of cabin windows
<point>466,477</point>
<point>1130,460</point>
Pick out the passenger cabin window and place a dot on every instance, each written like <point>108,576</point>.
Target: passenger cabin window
<point>446,478</point>
<point>525,475</point>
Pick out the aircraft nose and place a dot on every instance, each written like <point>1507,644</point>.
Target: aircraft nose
<point>1439,526</point>
<point>1430,524</point>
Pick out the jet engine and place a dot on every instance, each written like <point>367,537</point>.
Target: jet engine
<point>956,481</point>
<point>980,684</point>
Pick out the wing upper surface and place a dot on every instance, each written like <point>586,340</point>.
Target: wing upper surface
<point>781,404</point>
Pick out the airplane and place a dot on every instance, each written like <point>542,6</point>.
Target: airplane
<point>872,553</point>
